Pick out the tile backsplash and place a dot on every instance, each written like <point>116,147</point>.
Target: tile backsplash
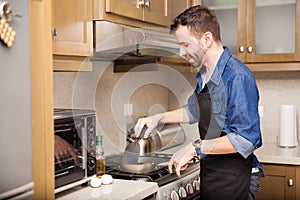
<point>276,89</point>
<point>121,98</point>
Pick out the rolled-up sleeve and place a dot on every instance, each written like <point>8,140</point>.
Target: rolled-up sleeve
<point>241,144</point>
<point>243,118</point>
<point>192,109</point>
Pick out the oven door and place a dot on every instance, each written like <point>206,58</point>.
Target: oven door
<point>70,154</point>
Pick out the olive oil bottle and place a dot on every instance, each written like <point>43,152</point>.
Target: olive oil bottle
<point>100,159</point>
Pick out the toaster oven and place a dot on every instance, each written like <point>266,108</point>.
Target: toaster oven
<point>75,147</point>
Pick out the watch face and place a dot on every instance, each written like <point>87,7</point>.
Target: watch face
<point>197,143</point>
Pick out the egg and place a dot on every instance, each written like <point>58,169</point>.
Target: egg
<point>106,179</point>
<point>95,182</point>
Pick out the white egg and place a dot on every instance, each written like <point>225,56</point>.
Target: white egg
<point>95,182</point>
<point>106,179</point>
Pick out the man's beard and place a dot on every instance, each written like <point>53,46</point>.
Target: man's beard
<point>198,58</point>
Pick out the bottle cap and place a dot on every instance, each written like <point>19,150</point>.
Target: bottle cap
<point>98,139</point>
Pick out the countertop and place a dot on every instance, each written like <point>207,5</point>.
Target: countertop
<point>272,153</point>
<point>126,189</point>
<point>117,190</point>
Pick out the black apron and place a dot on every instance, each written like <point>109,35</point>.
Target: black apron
<point>224,177</point>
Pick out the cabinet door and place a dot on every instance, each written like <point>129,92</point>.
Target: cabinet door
<point>157,11</point>
<point>178,6</point>
<point>72,27</point>
<point>127,8</point>
<point>279,183</point>
<point>273,26</point>
<point>232,19</point>
<point>259,30</point>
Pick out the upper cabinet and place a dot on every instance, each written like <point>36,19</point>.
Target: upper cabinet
<point>152,11</point>
<point>178,6</point>
<point>260,31</point>
<point>72,27</point>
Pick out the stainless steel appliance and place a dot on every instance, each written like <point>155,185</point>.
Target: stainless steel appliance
<point>15,116</point>
<point>124,44</point>
<point>170,186</point>
<point>77,128</point>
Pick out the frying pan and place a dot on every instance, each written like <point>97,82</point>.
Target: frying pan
<point>144,164</point>
<point>141,168</point>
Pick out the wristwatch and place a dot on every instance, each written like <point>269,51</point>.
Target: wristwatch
<point>197,144</point>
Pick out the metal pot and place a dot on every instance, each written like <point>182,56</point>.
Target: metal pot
<point>160,138</point>
<point>140,145</point>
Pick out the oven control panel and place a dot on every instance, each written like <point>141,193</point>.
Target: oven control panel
<point>187,187</point>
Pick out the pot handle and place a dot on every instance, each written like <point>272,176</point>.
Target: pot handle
<point>131,134</point>
<point>143,132</point>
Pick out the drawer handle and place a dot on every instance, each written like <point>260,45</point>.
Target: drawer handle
<point>290,182</point>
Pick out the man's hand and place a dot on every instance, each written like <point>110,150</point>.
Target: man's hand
<point>151,122</point>
<point>181,158</point>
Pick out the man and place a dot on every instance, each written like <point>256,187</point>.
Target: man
<point>225,105</point>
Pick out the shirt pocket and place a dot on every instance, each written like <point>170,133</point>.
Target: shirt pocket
<point>219,113</point>
<point>216,108</point>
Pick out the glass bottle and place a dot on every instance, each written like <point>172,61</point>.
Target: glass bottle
<point>100,159</point>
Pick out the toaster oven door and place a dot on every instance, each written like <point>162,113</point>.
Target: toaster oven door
<point>70,151</point>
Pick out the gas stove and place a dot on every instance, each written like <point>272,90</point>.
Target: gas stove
<point>170,185</point>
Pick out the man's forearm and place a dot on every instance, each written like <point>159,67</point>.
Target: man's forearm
<point>176,116</point>
<point>221,145</point>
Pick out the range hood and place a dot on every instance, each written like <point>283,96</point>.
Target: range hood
<point>123,44</point>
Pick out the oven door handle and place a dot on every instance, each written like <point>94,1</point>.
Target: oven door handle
<point>64,130</point>
<point>61,174</point>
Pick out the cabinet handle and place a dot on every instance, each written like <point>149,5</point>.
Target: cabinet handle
<point>54,32</point>
<point>147,4</point>
<point>242,49</point>
<point>142,2</point>
<point>290,182</point>
<point>250,49</point>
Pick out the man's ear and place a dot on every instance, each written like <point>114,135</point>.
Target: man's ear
<point>207,39</point>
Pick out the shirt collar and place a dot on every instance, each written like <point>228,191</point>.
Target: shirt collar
<point>218,71</point>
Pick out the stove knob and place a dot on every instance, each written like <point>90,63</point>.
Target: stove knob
<point>174,195</point>
<point>182,192</point>
<point>189,188</point>
<point>196,185</point>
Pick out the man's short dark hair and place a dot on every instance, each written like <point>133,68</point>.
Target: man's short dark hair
<point>198,19</point>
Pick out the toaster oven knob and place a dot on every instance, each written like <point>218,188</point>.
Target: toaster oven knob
<point>174,195</point>
<point>196,185</point>
<point>91,163</point>
<point>189,188</point>
<point>91,129</point>
<point>182,192</point>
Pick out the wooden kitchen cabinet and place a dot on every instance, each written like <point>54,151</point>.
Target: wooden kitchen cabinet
<point>260,31</point>
<point>178,6</point>
<point>152,11</point>
<point>281,182</point>
<point>72,27</point>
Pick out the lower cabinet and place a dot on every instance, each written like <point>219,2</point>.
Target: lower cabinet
<point>281,182</point>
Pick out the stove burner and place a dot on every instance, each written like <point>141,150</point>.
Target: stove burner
<point>161,175</point>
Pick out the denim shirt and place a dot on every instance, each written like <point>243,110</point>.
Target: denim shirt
<point>234,97</point>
